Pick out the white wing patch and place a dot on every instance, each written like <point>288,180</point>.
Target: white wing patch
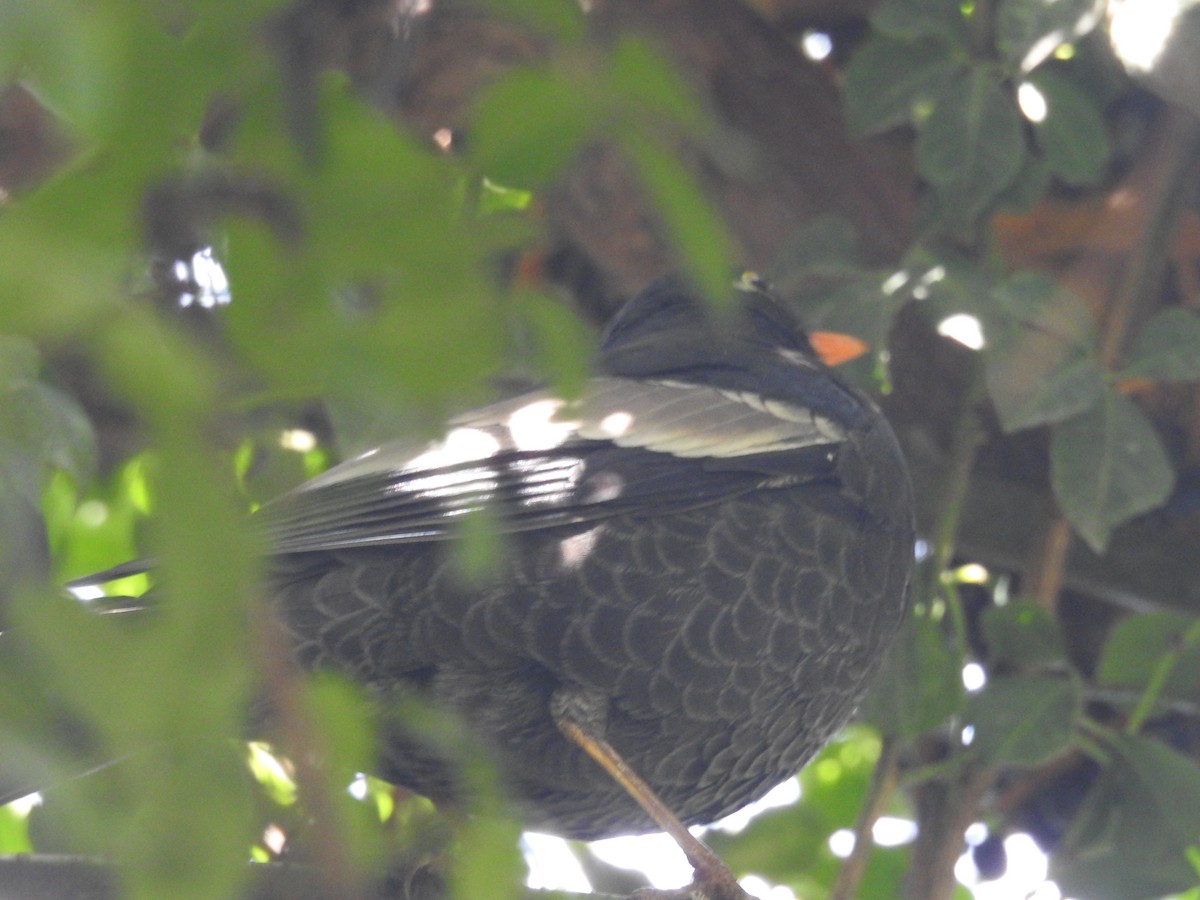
<point>691,420</point>
<point>677,418</point>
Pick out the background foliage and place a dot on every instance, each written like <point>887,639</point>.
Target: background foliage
<point>406,201</point>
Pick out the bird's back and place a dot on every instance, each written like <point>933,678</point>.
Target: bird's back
<point>724,641</point>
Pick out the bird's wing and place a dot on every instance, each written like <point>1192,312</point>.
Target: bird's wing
<point>537,461</point>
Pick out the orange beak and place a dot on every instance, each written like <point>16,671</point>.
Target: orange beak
<point>835,349</point>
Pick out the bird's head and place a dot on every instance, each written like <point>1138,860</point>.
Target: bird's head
<point>754,343</point>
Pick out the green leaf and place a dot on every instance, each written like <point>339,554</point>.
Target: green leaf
<point>644,82</point>
<point>1072,136</point>
<point>1032,384</point>
<point>922,18</point>
<point>888,76</point>
<point>1135,646</point>
<point>695,228</point>
<point>920,684</point>
<point>562,344</point>
<point>972,145</point>
<point>1023,719</point>
<point>1132,835</point>
<point>19,361</point>
<point>832,787</point>
<point>527,126</point>
<point>1021,635</point>
<point>14,832</point>
<point>1040,362</point>
<point>1028,187</point>
<point>1167,348</point>
<point>1028,31</point>
<point>1106,465</point>
<point>41,428</point>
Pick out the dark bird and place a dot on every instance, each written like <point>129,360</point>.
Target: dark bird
<point>705,559</point>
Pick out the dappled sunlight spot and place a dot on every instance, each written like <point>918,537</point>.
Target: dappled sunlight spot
<point>888,831</point>
<point>655,855</point>
<point>784,794</point>
<point>552,865</point>
<point>930,277</point>
<point>971,573</point>
<point>1140,29</point>
<point>964,328</point>
<point>274,839</point>
<point>764,890</point>
<point>816,45</point>
<point>533,426</point>
<point>893,831</point>
<point>1024,876</point>
<point>206,275</point>
<point>92,513</point>
<point>1032,102</point>
<point>967,735</point>
<point>23,806</point>
<point>86,592</point>
<point>616,424</point>
<point>894,282</point>
<point>574,550</point>
<point>841,843</point>
<point>974,677</point>
<point>300,440</point>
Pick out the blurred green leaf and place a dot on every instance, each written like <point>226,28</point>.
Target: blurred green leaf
<point>1131,836</point>
<point>1137,643</point>
<point>340,717</point>
<point>41,428</point>
<point>888,76</point>
<point>529,124</point>
<point>971,147</point>
<point>643,81</point>
<point>14,832</point>
<point>920,683</point>
<point>1028,187</point>
<point>1073,137</point>
<point>1167,348</point>
<point>824,246</point>
<point>922,18</point>
<point>1023,719</point>
<point>562,345</point>
<point>697,231</point>
<point>1041,365</point>
<point>790,845</point>
<point>1106,465</point>
<point>1021,635</point>
<point>1028,31</point>
<point>1029,387</point>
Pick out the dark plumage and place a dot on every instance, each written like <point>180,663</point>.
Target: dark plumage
<point>709,554</point>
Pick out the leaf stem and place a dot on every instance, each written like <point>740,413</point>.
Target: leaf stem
<point>1158,678</point>
<point>1166,202</point>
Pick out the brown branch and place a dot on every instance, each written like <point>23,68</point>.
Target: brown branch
<point>950,810</point>
<point>301,740</point>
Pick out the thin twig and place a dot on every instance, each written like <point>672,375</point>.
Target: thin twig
<point>285,691</point>
<point>883,785</point>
